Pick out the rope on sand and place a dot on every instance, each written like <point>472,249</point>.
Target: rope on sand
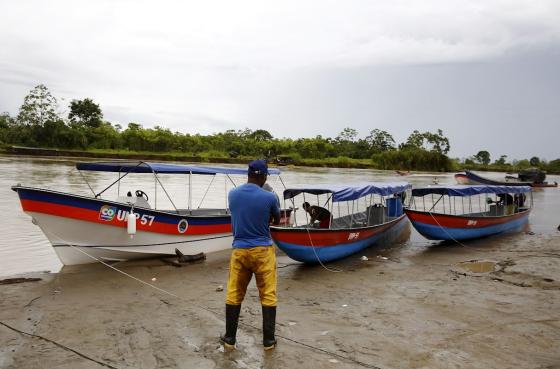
<point>58,344</point>
<point>303,344</point>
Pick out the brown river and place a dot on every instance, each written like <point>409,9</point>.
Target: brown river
<point>24,248</point>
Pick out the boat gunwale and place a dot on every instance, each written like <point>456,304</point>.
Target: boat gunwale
<point>113,202</point>
<point>528,210</point>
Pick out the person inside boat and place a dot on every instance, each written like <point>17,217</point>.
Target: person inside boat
<point>253,252</point>
<point>519,200</point>
<point>318,213</point>
<point>504,199</point>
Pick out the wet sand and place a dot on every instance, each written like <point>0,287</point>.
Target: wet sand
<point>414,307</point>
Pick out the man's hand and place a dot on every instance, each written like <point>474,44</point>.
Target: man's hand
<point>275,219</point>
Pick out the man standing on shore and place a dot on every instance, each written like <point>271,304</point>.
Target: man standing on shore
<point>252,209</point>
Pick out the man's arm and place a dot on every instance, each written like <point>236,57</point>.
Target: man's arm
<point>314,215</point>
<point>275,211</point>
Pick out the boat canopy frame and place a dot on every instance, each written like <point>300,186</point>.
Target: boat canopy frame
<point>453,192</point>
<point>123,168</point>
<point>337,193</point>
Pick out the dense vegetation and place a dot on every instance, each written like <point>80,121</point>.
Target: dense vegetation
<point>39,124</point>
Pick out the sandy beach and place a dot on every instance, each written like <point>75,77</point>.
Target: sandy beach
<point>403,308</point>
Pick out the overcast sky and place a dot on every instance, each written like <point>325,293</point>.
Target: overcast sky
<point>486,72</point>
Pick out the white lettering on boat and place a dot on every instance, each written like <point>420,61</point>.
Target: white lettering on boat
<point>145,219</point>
<point>471,222</point>
<point>353,236</point>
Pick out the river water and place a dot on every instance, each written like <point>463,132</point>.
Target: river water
<point>24,248</point>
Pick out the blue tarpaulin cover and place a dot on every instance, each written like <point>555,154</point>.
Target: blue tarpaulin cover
<point>465,190</point>
<point>146,167</point>
<point>348,191</point>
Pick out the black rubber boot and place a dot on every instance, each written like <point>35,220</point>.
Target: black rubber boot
<point>269,325</point>
<point>232,317</point>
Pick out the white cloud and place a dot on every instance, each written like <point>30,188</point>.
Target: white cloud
<point>210,64</point>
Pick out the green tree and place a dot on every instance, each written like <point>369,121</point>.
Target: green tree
<point>414,141</point>
<point>345,142</point>
<point>554,166</point>
<point>347,135</point>
<point>86,113</point>
<point>483,157</point>
<point>39,106</point>
<point>260,135</point>
<point>535,161</point>
<point>439,142</point>
<point>501,160</point>
<point>380,141</point>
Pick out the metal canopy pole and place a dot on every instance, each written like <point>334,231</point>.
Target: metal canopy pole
<point>155,190</point>
<point>118,180</point>
<point>225,193</point>
<point>231,180</point>
<point>190,191</point>
<point>165,191</point>
<point>207,188</point>
<point>85,180</point>
<point>433,206</point>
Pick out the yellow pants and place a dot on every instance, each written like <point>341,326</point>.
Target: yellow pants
<point>259,260</point>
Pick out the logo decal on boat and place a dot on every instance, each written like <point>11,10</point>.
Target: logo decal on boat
<point>472,222</point>
<point>353,236</point>
<point>107,213</point>
<point>182,226</point>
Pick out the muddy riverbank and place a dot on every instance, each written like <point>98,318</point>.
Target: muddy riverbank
<point>403,308</point>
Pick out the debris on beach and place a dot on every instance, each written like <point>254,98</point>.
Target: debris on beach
<point>220,288</point>
<point>364,258</point>
<point>18,280</point>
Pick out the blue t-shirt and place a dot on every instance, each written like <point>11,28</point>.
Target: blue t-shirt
<point>251,207</point>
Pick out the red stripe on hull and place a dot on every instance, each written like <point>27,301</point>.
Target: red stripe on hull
<point>72,212</point>
<point>326,237</point>
<point>458,221</point>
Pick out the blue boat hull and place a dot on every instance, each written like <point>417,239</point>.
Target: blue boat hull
<point>307,253</point>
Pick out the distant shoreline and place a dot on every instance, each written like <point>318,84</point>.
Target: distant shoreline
<point>45,152</point>
<point>344,162</point>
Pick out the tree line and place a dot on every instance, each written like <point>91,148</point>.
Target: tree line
<point>39,124</point>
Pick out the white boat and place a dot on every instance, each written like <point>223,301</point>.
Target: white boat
<point>128,227</point>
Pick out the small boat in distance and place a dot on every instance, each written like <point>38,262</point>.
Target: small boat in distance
<point>510,181</point>
<point>459,212</point>
<point>535,176</point>
<point>370,211</point>
<point>478,179</point>
<point>462,179</point>
<point>131,226</point>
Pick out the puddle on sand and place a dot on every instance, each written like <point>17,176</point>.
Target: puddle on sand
<point>478,266</point>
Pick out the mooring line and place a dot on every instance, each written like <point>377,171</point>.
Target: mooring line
<point>303,344</point>
<point>59,345</point>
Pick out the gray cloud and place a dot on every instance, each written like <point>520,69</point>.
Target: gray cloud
<point>477,69</point>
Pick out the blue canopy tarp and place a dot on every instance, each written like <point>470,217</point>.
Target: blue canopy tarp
<point>465,190</point>
<point>348,191</point>
<point>146,167</point>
